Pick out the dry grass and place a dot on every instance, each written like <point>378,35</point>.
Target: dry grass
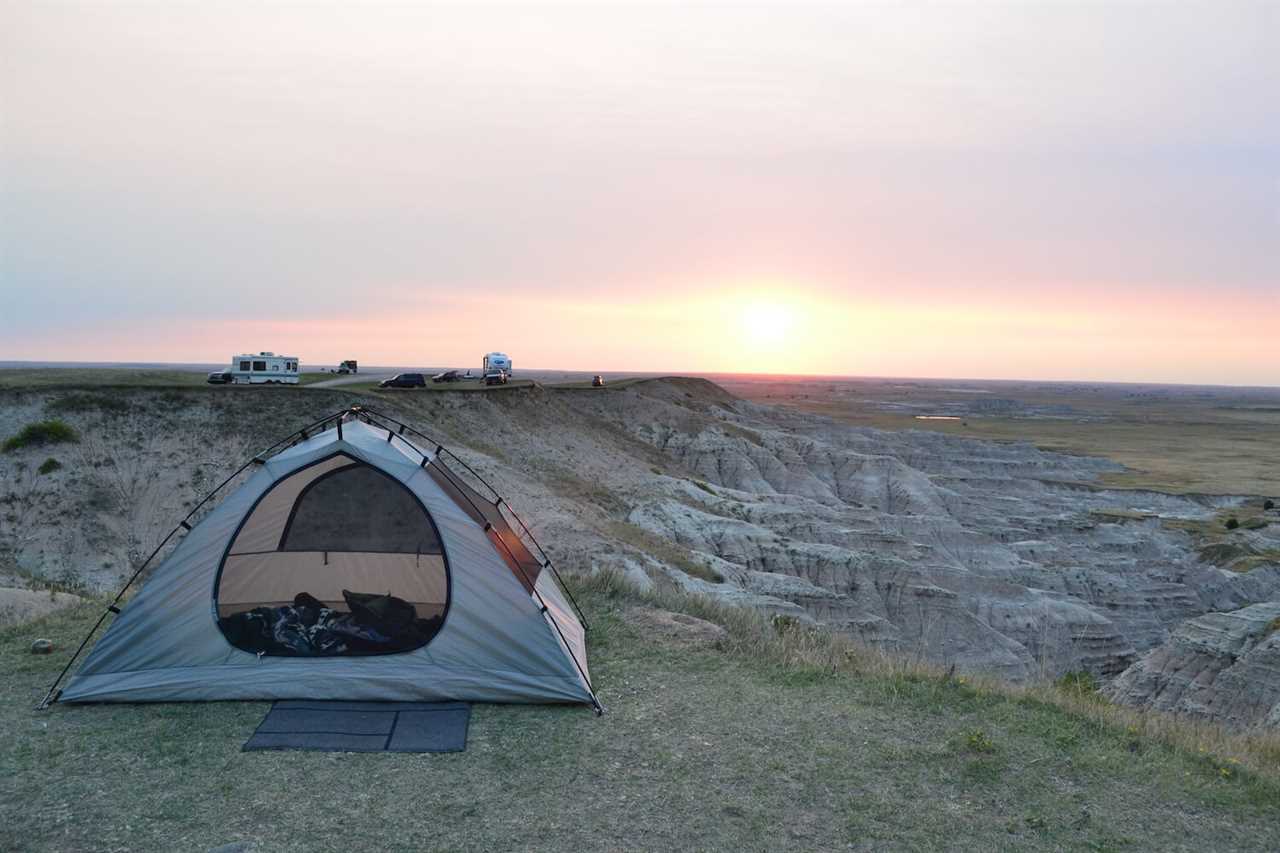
<point>780,738</point>
<point>748,435</point>
<point>1225,545</point>
<point>792,644</point>
<point>1248,564</point>
<point>661,549</point>
<point>90,378</point>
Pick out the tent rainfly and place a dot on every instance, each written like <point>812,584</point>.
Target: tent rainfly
<point>349,565</point>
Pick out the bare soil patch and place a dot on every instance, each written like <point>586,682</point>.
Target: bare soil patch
<point>675,627</point>
<point>23,605</point>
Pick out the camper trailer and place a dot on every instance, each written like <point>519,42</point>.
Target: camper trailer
<point>496,361</point>
<point>265,368</point>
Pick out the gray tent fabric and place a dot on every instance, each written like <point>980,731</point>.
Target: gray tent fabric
<point>500,641</point>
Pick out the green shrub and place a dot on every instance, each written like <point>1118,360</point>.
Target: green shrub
<point>41,433</point>
<point>1081,682</point>
<point>49,465</point>
<point>704,486</point>
<point>978,741</point>
<point>1224,553</point>
<point>783,623</point>
<point>1232,523</point>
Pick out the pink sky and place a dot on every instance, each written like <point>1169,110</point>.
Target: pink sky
<point>987,190</point>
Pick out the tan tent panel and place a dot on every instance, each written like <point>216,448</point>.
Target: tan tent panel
<point>339,506</point>
<point>254,580</point>
<point>262,530</point>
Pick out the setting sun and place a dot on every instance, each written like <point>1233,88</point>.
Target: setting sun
<point>767,323</point>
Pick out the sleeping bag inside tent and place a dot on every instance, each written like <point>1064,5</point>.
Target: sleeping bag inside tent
<point>352,565</point>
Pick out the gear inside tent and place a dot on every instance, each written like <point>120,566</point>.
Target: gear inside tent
<point>352,563</point>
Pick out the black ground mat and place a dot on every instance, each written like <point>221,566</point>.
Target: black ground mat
<point>364,727</point>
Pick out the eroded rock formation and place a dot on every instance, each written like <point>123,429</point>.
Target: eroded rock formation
<point>1219,666</point>
<point>995,557</point>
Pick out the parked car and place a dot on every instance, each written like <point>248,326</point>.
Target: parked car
<point>447,376</point>
<point>597,381</point>
<point>495,377</point>
<point>404,380</point>
<point>220,377</point>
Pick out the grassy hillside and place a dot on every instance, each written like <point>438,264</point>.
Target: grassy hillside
<point>770,738</point>
<point>36,378</point>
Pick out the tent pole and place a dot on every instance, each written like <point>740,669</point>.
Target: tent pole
<point>599,709</point>
<point>440,445</point>
<point>441,449</point>
<point>543,604</point>
<point>182,525</point>
<point>547,560</point>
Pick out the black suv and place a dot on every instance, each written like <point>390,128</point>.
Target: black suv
<point>404,380</point>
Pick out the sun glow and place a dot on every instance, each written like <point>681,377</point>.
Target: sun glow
<point>767,323</point>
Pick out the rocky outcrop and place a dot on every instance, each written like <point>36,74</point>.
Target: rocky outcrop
<point>999,558</point>
<point>1218,666</point>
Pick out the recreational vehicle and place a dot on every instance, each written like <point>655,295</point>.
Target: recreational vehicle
<point>496,361</point>
<point>265,368</point>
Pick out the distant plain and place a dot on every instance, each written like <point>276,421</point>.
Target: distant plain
<point>1181,439</point>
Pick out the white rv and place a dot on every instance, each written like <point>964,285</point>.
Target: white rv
<point>264,368</point>
<point>496,361</point>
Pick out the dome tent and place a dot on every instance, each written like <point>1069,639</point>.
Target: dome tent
<point>352,565</point>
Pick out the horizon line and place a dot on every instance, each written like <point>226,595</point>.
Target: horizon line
<point>12,364</point>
